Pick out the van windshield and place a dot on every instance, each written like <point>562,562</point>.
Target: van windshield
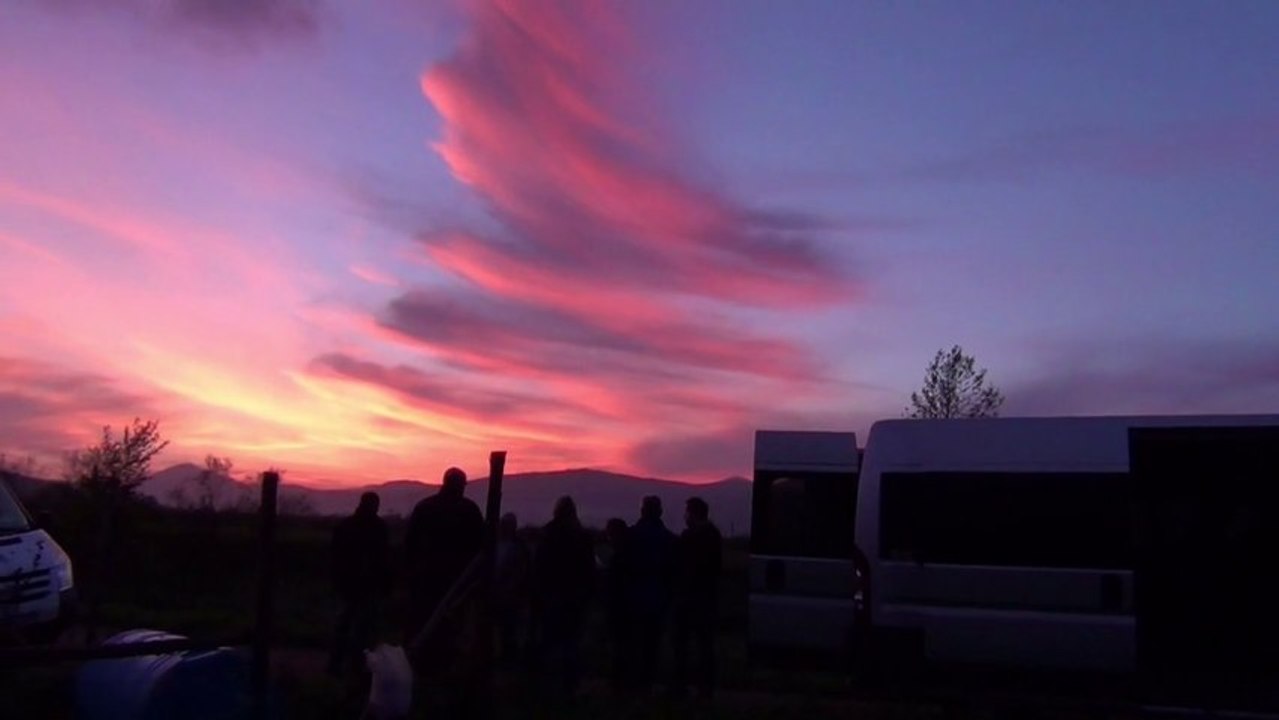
<point>12,517</point>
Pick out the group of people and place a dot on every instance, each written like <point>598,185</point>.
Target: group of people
<point>541,594</point>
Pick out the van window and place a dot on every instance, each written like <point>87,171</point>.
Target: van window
<point>803,514</point>
<point>12,517</point>
<point>1058,520</point>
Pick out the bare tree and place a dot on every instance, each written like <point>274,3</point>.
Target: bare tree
<point>178,497</point>
<point>26,467</point>
<point>115,467</point>
<point>296,504</point>
<point>216,471</point>
<point>954,388</point>
<point>109,474</point>
<point>247,500</point>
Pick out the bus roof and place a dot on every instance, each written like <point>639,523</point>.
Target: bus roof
<point>1098,443</point>
<point>806,450</point>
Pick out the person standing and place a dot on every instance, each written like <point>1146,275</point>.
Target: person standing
<point>445,533</point>
<point>699,561</point>
<point>512,567</point>
<point>361,557</point>
<point>617,616</point>
<point>564,573</point>
<point>649,565</point>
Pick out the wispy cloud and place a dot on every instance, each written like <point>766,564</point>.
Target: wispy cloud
<point>373,276</point>
<point>441,393</point>
<point>542,119</point>
<point>1248,144</point>
<point>224,24</point>
<point>1155,377</point>
<point>612,278</point>
<point>1245,145</point>
<point>46,410</point>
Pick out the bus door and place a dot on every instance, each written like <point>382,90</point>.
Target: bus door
<point>802,572</point>
<point>1206,503</point>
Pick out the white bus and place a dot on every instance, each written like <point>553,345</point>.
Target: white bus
<point>1093,543</point>
<point>804,501</point>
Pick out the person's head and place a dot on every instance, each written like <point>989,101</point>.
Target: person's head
<point>369,503</point>
<point>565,510</point>
<point>651,508</point>
<point>454,482</point>
<point>508,525</point>
<point>696,511</point>
<point>615,529</point>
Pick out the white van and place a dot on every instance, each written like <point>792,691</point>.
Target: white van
<point>37,589</point>
<point>803,501</point>
<point>1106,544</point>
<point>1025,541</point>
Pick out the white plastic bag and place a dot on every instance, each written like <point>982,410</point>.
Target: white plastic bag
<point>391,694</point>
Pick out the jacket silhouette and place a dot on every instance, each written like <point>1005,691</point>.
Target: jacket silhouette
<point>699,560</point>
<point>564,575</point>
<point>361,555</point>
<point>445,532</point>
<point>649,566</point>
<point>361,551</point>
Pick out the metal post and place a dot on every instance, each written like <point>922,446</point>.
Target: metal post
<point>266,593</point>
<point>492,518</point>
<point>493,509</point>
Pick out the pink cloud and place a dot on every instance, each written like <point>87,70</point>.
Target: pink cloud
<point>218,23</point>
<point>109,223</point>
<point>540,119</point>
<point>46,410</point>
<point>616,284</point>
<point>373,276</point>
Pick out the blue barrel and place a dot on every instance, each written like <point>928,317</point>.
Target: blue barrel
<point>204,685</point>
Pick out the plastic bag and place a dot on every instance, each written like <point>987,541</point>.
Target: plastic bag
<point>391,693</point>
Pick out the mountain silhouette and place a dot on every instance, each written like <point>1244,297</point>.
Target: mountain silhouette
<point>599,495</point>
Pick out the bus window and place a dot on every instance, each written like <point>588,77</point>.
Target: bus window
<point>1059,520</point>
<point>804,514</point>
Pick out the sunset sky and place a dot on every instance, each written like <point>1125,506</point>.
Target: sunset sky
<point>367,240</point>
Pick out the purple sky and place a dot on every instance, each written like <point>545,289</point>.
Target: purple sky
<point>368,240</point>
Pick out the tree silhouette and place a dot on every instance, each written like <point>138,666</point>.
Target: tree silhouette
<point>954,388</point>
<point>113,469</point>
<point>209,480</point>
<point>109,474</point>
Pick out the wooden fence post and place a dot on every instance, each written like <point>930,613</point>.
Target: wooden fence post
<point>266,593</point>
<point>492,518</point>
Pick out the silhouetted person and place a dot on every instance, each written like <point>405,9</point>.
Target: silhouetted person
<point>699,559</point>
<point>512,567</point>
<point>445,533</point>
<point>649,565</point>
<point>564,572</point>
<point>617,617</point>
<point>361,555</point>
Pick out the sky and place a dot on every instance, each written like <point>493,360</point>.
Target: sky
<point>367,241</point>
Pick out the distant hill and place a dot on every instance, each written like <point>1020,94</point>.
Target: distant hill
<point>25,487</point>
<point>599,495</point>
